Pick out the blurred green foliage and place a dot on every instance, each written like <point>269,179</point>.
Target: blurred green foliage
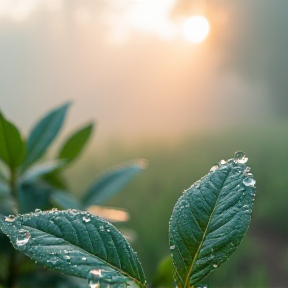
<point>27,182</point>
<point>174,166</point>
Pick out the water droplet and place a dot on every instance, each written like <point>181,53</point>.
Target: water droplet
<point>214,168</point>
<point>38,210</point>
<point>66,251</point>
<point>10,218</point>
<point>215,265</point>
<point>108,230</point>
<point>101,228</point>
<point>222,162</point>
<point>197,184</point>
<point>172,247</point>
<point>240,157</point>
<point>250,182</point>
<point>22,237</point>
<point>93,278</point>
<point>54,209</point>
<point>84,258</point>
<point>86,219</point>
<point>67,257</point>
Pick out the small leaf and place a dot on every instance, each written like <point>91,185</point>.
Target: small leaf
<point>74,242</point>
<point>12,147</point>
<point>43,134</point>
<point>209,221</point>
<point>64,200</point>
<point>33,195</point>
<point>41,169</point>
<point>111,182</point>
<point>75,144</point>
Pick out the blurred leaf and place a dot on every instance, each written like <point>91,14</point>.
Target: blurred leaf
<point>75,144</point>
<point>12,147</point>
<point>74,242</point>
<point>43,134</point>
<point>7,205</point>
<point>42,169</point>
<point>55,180</point>
<point>164,274</point>
<point>4,188</point>
<point>209,221</point>
<point>33,195</point>
<point>65,201</point>
<point>112,181</point>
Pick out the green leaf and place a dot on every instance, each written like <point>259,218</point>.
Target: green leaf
<point>164,274</point>
<point>41,169</point>
<point>75,144</point>
<point>43,134</point>
<point>209,221</point>
<point>111,182</point>
<point>34,195</point>
<point>64,200</point>
<point>74,242</point>
<point>12,147</point>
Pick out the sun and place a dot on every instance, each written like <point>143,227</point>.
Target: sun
<point>195,29</point>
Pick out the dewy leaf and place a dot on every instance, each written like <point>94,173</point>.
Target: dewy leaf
<point>43,134</point>
<point>74,145</point>
<point>112,181</point>
<point>74,242</point>
<point>209,221</point>
<point>12,147</point>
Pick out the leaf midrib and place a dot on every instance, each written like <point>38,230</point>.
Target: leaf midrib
<point>187,280</point>
<point>92,255</point>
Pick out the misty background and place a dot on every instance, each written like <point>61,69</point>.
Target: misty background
<point>125,65</point>
<point>118,64</point>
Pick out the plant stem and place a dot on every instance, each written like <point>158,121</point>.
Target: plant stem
<point>12,272</point>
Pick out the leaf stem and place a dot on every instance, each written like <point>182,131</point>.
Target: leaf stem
<point>12,272</point>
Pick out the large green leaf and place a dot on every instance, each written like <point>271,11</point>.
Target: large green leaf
<point>112,181</point>
<point>74,145</point>
<point>75,242</point>
<point>12,147</point>
<point>209,221</point>
<point>43,134</point>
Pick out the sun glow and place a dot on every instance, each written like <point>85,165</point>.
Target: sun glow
<point>196,29</point>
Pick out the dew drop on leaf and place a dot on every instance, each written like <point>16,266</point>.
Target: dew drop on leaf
<point>240,157</point>
<point>84,258</point>
<point>250,182</point>
<point>38,210</point>
<point>10,218</point>
<point>214,168</point>
<point>215,265</point>
<point>222,162</point>
<point>22,237</point>
<point>93,278</point>
<point>86,219</point>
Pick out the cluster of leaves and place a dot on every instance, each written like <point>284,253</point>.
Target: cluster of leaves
<point>207,224</point>
<point>27,182</point>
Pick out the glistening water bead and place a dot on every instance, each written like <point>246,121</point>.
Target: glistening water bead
<point>250,182</point>
<point>94,277</point>
<point>22,237</point>
<point>240,157</point>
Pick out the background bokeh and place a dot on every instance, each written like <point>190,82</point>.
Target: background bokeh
<point>154,95</point>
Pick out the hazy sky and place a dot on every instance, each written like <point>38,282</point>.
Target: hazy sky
<point>127,65</point>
